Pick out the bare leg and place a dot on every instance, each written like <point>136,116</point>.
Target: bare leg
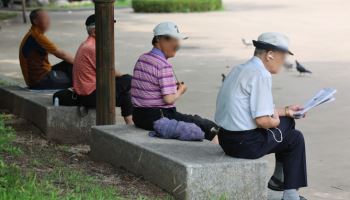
<point>215,140</point>
<point>128,120</point>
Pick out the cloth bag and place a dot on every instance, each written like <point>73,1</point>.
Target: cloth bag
<point>173,129</point>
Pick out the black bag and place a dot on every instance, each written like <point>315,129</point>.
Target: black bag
<point>66,97</point>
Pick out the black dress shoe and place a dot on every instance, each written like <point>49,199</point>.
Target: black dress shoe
<point>275,184</point>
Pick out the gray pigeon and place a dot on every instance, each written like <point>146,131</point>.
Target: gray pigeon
<point>246,42</point>
<point>301,69</point>
<point>223,77</point>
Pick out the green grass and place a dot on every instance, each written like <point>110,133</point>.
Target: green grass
<point>167,6</point>
<point>6,83</point>
<point>61,183</point>
<point>58,182</point>
<point>83,5</point>
<point>7,15</point>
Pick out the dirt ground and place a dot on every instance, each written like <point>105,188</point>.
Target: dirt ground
<point>36,148</point>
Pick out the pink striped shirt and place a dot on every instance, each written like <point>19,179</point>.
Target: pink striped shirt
<point>153,78</point>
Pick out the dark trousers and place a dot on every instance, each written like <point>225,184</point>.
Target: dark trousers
<point>123,96</point>
<point>256,143</point>
<point>144,118</point>
<point>60,77</point>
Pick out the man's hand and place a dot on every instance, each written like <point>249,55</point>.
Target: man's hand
<point>182,88</point>
<point>171,98</point>
<point>292,110</point>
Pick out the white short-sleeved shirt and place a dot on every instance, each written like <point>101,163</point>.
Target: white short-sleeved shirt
<point>245,95</point>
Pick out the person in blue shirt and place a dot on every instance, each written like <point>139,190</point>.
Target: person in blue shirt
<point>251,126</point>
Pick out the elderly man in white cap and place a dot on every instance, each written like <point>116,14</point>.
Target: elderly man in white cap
<point>154,87</point>
<point>251,126</point>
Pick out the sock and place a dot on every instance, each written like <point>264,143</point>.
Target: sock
<point>278,173</point>
<point>291,194</point>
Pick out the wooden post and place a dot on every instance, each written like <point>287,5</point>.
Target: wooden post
<point>24,11</point>
<point>105,72</point>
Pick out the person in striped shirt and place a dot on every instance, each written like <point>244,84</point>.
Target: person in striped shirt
<point>154,87</point>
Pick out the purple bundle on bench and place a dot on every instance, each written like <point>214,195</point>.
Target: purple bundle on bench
<point>173,129</point>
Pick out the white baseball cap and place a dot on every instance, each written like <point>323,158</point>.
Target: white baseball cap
<point>273,41</point>
<point>170,29</point>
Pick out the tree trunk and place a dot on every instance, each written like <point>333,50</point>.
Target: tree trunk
<point>105,72</point>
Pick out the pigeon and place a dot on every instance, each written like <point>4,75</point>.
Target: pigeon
<point>246,42</point>
<point>223,77</point>
<point>288,65</point>
<point>301,69</point>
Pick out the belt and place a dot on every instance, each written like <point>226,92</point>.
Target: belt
<point>227,132</point>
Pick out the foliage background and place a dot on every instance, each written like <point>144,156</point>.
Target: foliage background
<point>159,6</point>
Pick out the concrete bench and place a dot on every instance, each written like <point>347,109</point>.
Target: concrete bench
<point>187,170</point>
<point>60,124</point>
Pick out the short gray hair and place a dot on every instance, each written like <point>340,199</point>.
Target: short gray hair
<point>259,51</point>
<point>90,28</point>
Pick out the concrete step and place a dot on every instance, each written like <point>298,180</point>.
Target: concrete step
<point>187,170</point>
<point>60,124</point>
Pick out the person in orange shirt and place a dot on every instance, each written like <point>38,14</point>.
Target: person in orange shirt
<point>35,47</point>
<point>84,76</point>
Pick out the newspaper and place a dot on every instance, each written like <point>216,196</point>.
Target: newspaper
<point>325,95</point>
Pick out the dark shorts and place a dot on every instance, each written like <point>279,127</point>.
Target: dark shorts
<point>123,96</point>
<point>60,77</point>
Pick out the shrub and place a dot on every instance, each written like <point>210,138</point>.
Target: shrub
<point>158,6</point>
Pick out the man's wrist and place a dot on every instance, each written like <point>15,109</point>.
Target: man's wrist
<point>276,122</point>
<point>178,93</point>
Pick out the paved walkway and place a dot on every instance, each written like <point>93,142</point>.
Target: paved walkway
<point>319,33</point>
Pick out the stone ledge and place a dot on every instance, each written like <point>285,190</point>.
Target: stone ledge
<point>60,124</point>
<point>187,170</point>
